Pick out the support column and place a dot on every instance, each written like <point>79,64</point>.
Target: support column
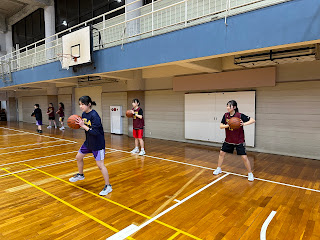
<point>3,30</point>
<point>49,21</point>
<point>135,89</point>
<point>12,109</point>
<point>9,43</point>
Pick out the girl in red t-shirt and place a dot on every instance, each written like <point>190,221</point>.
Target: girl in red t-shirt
<point>138,124</point>
<point>51,116</point>
<point>61,115</point>
<point>234,138</point>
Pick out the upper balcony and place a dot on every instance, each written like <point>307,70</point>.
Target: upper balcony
<point>162,17</point>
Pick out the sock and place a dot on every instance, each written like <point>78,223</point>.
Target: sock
<point>142,149</point>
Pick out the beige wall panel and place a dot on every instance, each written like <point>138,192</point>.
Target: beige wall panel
<point>64,90</point>
<point>287,119</point>
<point>260,77</point>
<point>298,71</point>
<point>158,83</point>
<point>164,115</point>
<point>119,86</point>
<point>32,93</point>
<point>28,108</point>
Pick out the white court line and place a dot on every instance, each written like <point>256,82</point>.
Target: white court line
<point>124,232</point>
<point>263,232</point>
<point>176,200</point>
<point>27,160</point>
<point>37,134</point>
<point>172,207</point>
<point>235,174</point>
<point>31,144</point>
<point>48,165</point>
<point>11,135</point>
<point>25,150</point>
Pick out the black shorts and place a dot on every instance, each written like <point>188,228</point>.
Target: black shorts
<point>52,118</point>
<point>229,148</point>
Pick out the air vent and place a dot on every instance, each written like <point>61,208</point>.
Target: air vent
<point>277,57</point>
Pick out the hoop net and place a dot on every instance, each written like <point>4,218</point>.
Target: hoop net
<point>66,60</point>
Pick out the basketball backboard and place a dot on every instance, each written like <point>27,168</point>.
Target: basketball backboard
<point>76,48</point>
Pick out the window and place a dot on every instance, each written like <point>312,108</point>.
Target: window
<point>29,30</point>
<point>72,12</point>
<point>145,2</point>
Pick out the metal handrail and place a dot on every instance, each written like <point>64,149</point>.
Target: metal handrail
<point>17,57</point>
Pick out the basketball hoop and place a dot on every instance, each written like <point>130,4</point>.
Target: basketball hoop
<point>66,60</point>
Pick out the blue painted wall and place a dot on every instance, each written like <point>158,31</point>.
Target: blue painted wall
<point>290,22</point>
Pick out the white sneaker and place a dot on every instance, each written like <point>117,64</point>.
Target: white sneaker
<point>49,127</point>
<point>217,171</point>
<point>107,189</point>
<point>135,150</point>
<point>142,152</point>
<point>62,128</point>
<point>250,177</point>
<point>55,126</point>
<point>76,177</point>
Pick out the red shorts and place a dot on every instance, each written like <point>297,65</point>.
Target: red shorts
<point>137,133</point>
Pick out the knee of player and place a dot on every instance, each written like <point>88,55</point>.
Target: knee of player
<point>79,159</point>
<point>101,167</point>
<point>222,153</point>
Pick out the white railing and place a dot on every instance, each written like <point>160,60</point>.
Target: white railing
<point>153,19</point>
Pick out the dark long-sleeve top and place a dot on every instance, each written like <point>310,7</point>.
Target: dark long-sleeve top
<point>95,136</point>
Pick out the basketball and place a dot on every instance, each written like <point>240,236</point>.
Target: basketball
<point>72,122</point>
<point>234,123</point>
<point>129,114</point>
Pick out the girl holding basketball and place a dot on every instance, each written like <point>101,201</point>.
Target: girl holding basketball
<point>234,137</point>
<point>51,116</point>
<point>94,143</point>
<point>37,113</point>
<point>61,115</point>
<point>138,124</point>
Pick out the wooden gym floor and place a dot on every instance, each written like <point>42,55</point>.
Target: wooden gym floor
<point>169,194</point>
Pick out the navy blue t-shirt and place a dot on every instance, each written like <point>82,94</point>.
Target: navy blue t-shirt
<point>38,114</point>
<point>95,136</point>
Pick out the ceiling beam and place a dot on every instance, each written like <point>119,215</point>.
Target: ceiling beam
<point>21,14</point>
<point>40,3</point>
<point>127,75</point>
<point>209,65</point>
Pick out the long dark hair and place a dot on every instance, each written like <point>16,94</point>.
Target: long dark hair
<point>234,104</point>
<point>86,100</point>
<point>62,105</point>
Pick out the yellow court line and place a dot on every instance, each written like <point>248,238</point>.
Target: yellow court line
<point>66,203</point>
<point>173,236</point>
<point>118,204</point>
